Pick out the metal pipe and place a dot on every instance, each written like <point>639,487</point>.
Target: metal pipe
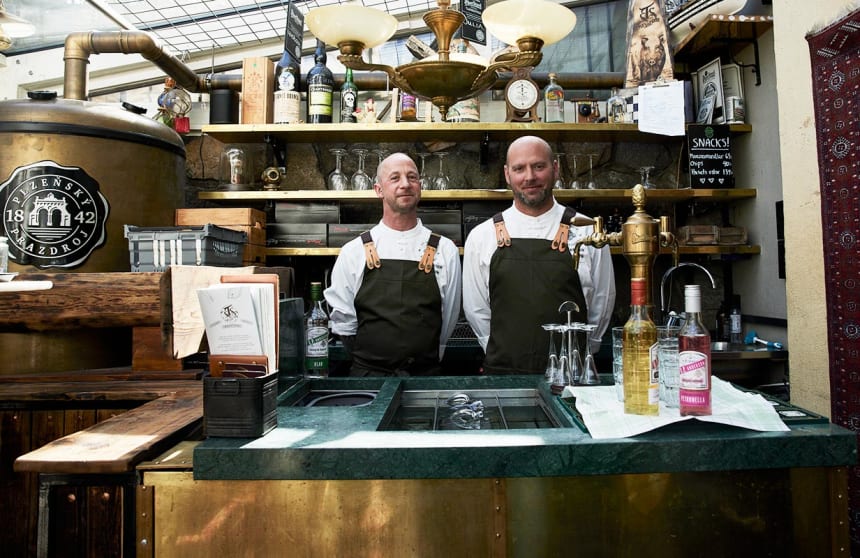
<point>79,47</point>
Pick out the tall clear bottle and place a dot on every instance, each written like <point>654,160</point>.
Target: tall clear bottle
<point>320,86</point>
<point>316,336</point>
<point>694,357</point>
<point>553,101</point>
<point>348,98</point>
<point>641,389</point>
<point>616,107</point>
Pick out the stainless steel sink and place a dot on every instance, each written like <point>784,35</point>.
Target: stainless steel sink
<point>471,409</point>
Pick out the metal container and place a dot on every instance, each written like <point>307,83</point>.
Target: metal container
<point>72,173</point>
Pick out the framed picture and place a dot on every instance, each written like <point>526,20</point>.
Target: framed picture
<point>709,81</point>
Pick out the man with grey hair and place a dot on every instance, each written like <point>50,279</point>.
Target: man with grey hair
<point>395,290</point>
<point>518,268</point>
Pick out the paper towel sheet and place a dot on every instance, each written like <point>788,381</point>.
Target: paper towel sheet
<point>605,418</point>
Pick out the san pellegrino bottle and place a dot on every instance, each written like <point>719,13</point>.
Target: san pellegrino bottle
<point>694,357</point>
<point>553,101</point>
<point>316,336</point>
<point>320,86</point>
<point>348,98</point>
<point>641,390</point>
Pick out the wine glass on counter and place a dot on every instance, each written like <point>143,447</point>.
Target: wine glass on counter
<point>338,180</point>
<point>552,358</point>
<point>645,176</point>
<point>360,179</point>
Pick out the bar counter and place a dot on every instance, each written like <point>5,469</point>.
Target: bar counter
<point>327,482</point>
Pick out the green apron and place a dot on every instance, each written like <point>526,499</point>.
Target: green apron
<point>528,282</point>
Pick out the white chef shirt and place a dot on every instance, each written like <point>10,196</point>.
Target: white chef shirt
<point>348,272</point>
<point>596,273</point>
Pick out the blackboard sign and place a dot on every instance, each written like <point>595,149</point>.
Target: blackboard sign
<point>710,149</point>
<point>294,34</point>
<point>473,28</point>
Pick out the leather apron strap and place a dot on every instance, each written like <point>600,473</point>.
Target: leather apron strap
<point>370,255</point>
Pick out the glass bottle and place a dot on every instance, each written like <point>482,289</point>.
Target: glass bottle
<point>641,389</point>
<point>320,85</point>
<point>616,107</point>
<point>316,336</point>
<point>736,329</point>
<point>408,107</point>
<point>553,101</point>
<point>467,110</point>
<point>348,99</point>
<point>694,357</point>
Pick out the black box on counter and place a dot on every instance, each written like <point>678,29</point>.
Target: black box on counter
<point>307,212</point>
<point>341,233</point>
<point>236,407</point>
<point>296,235</point>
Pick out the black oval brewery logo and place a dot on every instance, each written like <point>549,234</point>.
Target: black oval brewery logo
<point>54,216</point>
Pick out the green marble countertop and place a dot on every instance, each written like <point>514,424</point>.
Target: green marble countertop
<point>344,442</point>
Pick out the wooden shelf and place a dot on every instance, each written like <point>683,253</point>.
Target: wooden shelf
<point>436,131</point>
<point>616,250</point>
<point>721,34</point>
<point>609,195</point>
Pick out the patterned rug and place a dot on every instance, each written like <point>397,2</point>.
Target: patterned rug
<point>835,54</point>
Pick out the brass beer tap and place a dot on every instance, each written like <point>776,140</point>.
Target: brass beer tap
<point>641,238</point>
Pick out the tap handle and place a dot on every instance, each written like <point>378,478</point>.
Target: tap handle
<point>668,238</point>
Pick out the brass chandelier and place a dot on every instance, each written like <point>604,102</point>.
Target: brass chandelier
<point>445,78</point>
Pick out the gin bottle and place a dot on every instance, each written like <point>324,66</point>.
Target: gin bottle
<point>553,101</point>
<point>316,336</point>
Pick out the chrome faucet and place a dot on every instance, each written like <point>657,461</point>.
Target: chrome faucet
<point>675,320</point>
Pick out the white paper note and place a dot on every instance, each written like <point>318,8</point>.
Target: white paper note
<point>661,108</point>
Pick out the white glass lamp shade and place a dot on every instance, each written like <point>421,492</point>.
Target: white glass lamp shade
<point>337,24</point>
<point>14,26</point>
<point>511,20</point>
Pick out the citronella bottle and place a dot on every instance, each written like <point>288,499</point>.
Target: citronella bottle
<point>641,389</point>
<point>316,336</point>
<point>694,357</point>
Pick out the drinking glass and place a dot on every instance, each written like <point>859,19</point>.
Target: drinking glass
<point>552,358</point>
<point>563,376</point>
<point>592,185</point>
<point>441,182</point>
<point>667,363</point>
<point>360,179</point>
<point>426,182</point>
<point>576,367</point>
<point>589,367</point>
<point>337,180</point>
<point>644,174</point>
<point>618,361</point>
<point>575,184</point>
<point>559,181</point>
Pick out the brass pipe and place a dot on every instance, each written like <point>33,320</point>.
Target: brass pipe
<point>79,47</point>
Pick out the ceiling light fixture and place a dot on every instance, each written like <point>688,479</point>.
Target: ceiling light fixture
<point>12,27</point>
<point>446,77</point>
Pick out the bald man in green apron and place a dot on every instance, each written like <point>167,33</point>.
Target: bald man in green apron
<point>518,269</point>
<point>395,290</point>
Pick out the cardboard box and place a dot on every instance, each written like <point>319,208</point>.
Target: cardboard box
<point>258,91</point>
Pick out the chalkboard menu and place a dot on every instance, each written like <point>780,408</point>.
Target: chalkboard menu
<point>710,149</point>
<point>473,27</point>
<point>293,35</point>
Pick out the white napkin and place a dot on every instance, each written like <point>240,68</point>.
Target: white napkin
<point>605,418</point>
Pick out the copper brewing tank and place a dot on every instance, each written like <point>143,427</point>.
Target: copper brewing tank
<point>138,166</point>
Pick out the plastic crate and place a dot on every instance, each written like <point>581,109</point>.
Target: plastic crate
<point>240,407</point>
<point>157,248</point>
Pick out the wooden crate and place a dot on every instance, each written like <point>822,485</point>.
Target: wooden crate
<point>258,91</point>
<point>250,221</point>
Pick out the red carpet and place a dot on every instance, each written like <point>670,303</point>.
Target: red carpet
<point>835,54</point>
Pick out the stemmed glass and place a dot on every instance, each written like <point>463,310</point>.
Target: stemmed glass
<point>360,179</point>
<point>552,359</point>
<point>559,181</point>
<point>589,368</point>
<point>575,184</point>
<point>337,180</point>
<point>563,375</point>
<point>592,185</point>
<point>381,153</point>
<point>645,174</point>
<point>576,370</point>
<point>441,182</point>
<point>426,182</point>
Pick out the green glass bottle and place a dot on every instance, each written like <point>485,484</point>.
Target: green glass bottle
<point>316,336</point>
<point>348,98</point>
<point>320,86</point>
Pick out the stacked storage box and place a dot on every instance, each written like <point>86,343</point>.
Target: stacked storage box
<point>302,225</point>
<point>250,221</point>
